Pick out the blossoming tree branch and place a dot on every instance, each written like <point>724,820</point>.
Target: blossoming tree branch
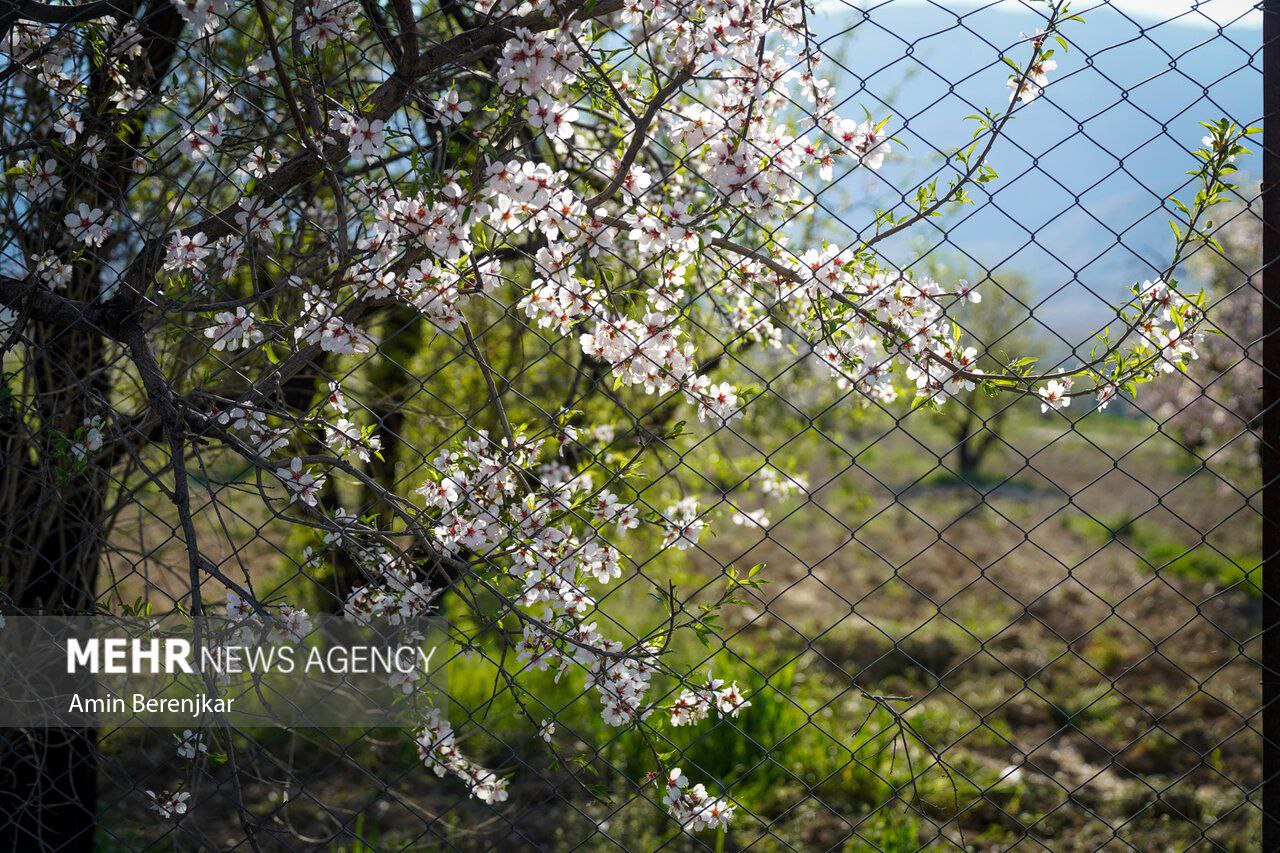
<point>220,215</point>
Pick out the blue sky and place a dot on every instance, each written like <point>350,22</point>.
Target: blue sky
<point>1084,169</point>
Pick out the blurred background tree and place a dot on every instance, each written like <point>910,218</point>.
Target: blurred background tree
<point>1214,403</point>
<point>1004,326</point>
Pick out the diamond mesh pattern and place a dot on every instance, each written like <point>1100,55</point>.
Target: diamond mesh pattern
<point>982,628</point>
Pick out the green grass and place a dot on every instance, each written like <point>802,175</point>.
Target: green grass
<point>808,733</point>
<point>1202,563</point>
<point>813,756</point>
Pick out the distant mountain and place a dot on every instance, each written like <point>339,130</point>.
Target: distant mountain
<point>1084,170</point>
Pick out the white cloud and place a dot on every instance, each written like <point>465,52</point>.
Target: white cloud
<point>1202,14</point>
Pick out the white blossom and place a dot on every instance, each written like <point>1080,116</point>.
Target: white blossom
<point>167,804</point>
<point>233,330</point>
<point>1053,395</point>
<point>87,225</point>
<point>190,744</point>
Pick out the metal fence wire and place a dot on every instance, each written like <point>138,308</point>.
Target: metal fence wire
<point>798,421</point>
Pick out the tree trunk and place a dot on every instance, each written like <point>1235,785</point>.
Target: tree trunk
<point>48,777</point>
<point>51,536</point>
<point>53,506</point>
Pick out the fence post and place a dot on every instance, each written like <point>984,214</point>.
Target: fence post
<point>1270,445</point>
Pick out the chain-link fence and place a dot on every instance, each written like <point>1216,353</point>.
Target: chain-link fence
<point>798,424</point>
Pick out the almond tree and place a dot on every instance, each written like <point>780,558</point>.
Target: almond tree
<point>1220,392</point>
<point>216,213</point>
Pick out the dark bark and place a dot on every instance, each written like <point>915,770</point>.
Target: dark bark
<point>48,789</point>
<point>52,509</point>
<point>52,537</point>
